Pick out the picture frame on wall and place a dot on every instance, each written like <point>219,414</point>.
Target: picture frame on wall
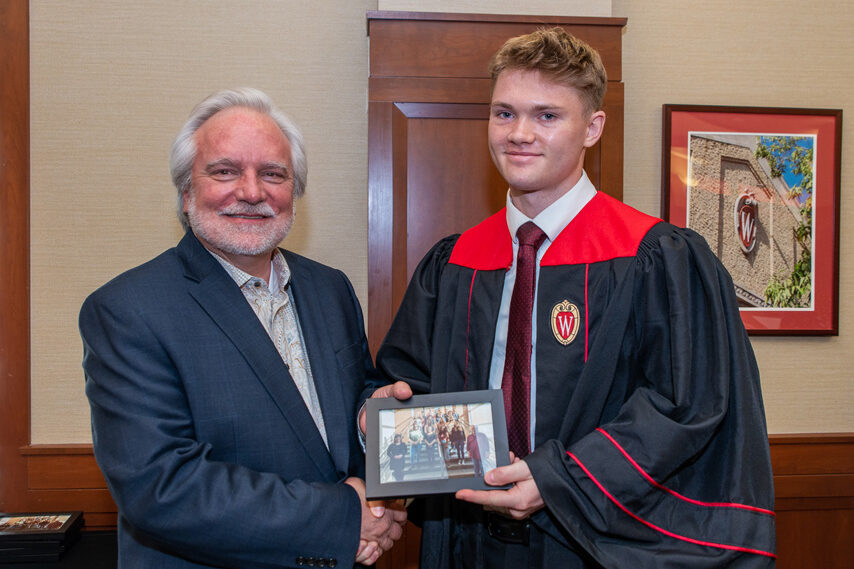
<point>762,186</point>
<point>434,444</point>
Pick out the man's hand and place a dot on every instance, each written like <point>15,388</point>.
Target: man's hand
<point>399,390</point>
<point>382,524</point>
<point>519,502</point>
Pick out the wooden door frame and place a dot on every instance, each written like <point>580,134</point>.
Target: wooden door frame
<point>14,252</point>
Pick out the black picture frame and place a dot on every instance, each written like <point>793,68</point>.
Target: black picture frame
<point>38,536</point>
<point>42,526</point>
<point>447,469</point>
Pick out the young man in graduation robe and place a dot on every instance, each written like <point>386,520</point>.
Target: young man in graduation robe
<point>634,405</point>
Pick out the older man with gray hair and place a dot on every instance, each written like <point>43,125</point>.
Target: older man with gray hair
<point>224,376</point>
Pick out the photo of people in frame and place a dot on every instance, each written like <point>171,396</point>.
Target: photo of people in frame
<point>36,522</point>
<point>436,442</point>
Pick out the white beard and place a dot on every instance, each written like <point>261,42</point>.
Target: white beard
<point>212,228</point>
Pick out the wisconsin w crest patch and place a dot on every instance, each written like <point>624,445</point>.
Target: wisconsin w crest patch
<point>565,322</point>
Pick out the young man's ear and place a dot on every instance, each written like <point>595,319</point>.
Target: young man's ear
<point>595,127</point>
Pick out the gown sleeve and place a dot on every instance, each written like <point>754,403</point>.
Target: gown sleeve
<point>681,475</point>
<point>406,353</point>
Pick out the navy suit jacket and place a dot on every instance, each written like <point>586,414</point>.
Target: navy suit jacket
<point>207,447</point>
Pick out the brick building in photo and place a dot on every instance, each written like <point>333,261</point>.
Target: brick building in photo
<point>744,214</point>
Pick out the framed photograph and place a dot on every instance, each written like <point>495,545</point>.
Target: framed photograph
<point>38,526</point>
<point>44,536</point>
<point>434,444</point>
<point>761,185</point>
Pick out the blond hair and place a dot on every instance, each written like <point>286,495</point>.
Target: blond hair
<point>558,55</point>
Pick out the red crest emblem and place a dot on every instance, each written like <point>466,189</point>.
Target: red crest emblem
<point>565,322</point>
<point>746,217</point>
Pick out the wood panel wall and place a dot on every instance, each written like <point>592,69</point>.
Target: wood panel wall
<point>813,478</point>
<point>66,477</point>
<point>814,491</point>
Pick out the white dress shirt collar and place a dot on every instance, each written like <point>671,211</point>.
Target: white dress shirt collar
<point>556,216</point>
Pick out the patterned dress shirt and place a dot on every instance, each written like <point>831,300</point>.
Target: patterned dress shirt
<point>274,307</point>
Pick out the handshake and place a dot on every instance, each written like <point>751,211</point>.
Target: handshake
<point>382,522</point>
<point>382,525</point>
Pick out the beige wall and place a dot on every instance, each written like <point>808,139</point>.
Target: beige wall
<point>784,53</point>
<point>112,81</point>
<point>601,8</point>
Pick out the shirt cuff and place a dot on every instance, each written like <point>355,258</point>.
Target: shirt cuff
<point>358,430</point>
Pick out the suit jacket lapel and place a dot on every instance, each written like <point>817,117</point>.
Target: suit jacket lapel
<point>218,295</point>
<point>322,358</point>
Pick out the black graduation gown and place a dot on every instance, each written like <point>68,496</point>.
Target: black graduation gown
<point>651,447</point>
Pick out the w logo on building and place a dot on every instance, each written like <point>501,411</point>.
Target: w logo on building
<point>745,221</point>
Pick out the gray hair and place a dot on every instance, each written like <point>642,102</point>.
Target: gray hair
<point>183,152</point>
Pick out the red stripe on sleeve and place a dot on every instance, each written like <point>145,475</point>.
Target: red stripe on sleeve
<point>662,530</point>
<point>677,494</point>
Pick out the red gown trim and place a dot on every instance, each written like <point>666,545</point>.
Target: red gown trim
<point>660,529</point>
<point>586,312</point>
<point>468,328</point>
<point>487,246</point>
<point>604,229</point>
<point>673,492</point>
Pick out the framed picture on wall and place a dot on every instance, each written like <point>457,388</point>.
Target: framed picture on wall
<point>434,444</point>
<point>761,185</point>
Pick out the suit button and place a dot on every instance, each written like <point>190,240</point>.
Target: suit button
<point>310,561</point>
<point>321,562</point>
<point>333,562</point>
<point>300,561</point>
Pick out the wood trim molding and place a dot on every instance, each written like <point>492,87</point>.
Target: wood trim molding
<point>66,477</point>
<point>814,491</point>
<point>812,472</point>
<point>459,48</point>
<point>802,438</point>
<point>462,17</point>
<point>14,251</point>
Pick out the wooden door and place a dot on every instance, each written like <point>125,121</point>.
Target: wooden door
<point>430,173</point>
<point>429,170</point>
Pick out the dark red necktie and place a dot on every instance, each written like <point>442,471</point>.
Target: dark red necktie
<point>516,382</point>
